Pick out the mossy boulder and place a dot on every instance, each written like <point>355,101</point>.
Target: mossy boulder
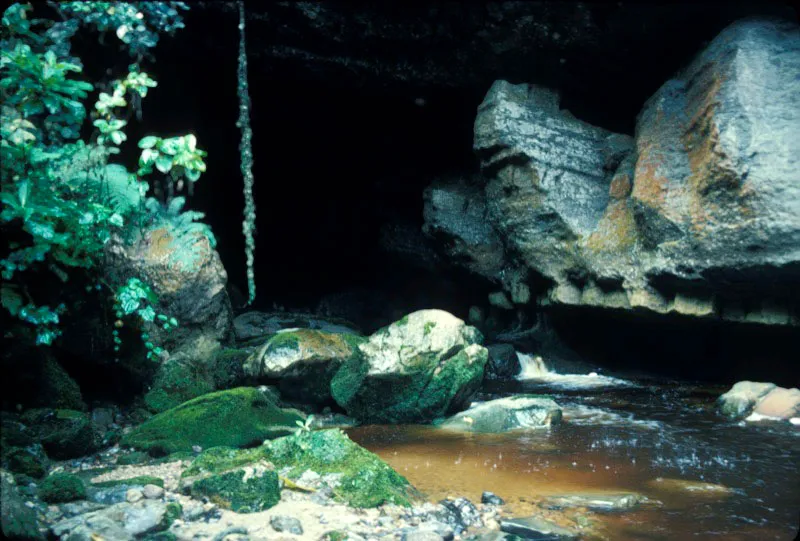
<point>366,480</point>
<point>415,370</point>
<point>247,489</point>
<point>62,487</point>
<point>27,462</point>
<point>302,362</point>
<point>175,383</point>
<point>238,417</point>
<point>63,433</point>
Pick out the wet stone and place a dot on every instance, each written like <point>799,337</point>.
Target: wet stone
<point>491,498</point>
<point>152,492</point>
<point>536,529</point>
<point>286,524</point>
<point>596,502</point>
<point>460,514</point>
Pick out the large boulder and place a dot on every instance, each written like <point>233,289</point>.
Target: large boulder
<point>302,361</point>
<point>238,417</point>
<point>698,215</point>
<point>518,412</point>
<point>185,273</point>
<point>416,369</point>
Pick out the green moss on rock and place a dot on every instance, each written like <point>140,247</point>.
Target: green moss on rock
<point>63,433</point>
<point>238,417</point>
<point>57,388</point>
<point>366,481</point>
<point>248,489</point>
<point>426,390</point>
<point>219,459</point>
<point>175,383</point>
<point>25,462</point>
<point>62,487</point>
<point>140,480</point>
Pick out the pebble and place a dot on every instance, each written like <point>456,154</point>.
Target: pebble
<point>133,495</point>
<point>153,492</point>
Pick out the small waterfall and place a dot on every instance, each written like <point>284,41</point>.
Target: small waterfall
<point>533,367</point>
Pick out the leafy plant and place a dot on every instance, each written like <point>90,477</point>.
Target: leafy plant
<point>136,298</point>
<point>62,198</point>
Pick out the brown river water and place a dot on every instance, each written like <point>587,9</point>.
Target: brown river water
<point>662,440</point>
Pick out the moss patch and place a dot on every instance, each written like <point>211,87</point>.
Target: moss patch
<point>175,383</point>
<point>367,481</point>
<point>141,480</point>
<point>238,417</point>
<point>62,487</point>
<point>219,459</point>
<point>248,489</point>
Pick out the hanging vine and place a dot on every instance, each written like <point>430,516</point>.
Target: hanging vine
<point>246,150</point>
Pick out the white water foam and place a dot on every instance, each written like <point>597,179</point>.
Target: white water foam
<point>579,414</point>
<point>533,368</point>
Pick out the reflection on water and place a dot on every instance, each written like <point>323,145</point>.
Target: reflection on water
<point>713,479</point>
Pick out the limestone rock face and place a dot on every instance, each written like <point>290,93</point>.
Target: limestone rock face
<point>699,214</point>
<point>414,370</point>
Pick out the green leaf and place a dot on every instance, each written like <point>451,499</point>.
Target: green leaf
<point>148,142</point>
<point>192,174</point>
<point>117,137</point>
<point>164,163</point>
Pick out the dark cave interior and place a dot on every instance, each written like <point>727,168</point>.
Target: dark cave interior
<point>335,163</point>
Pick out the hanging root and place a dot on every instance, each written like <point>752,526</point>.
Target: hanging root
<point>246,150</point>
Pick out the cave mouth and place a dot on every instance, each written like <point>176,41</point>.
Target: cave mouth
<point>336,164</point>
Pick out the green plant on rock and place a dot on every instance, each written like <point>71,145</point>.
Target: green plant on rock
<point>62,198</point>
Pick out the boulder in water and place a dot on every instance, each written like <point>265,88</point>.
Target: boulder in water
<point>779,403</point>
<point>504,414</point>
<point>742,398</point>
<point>756,401</point>
<point>415,370</point>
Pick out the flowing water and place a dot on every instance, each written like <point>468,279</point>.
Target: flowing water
<point>705,477</point>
